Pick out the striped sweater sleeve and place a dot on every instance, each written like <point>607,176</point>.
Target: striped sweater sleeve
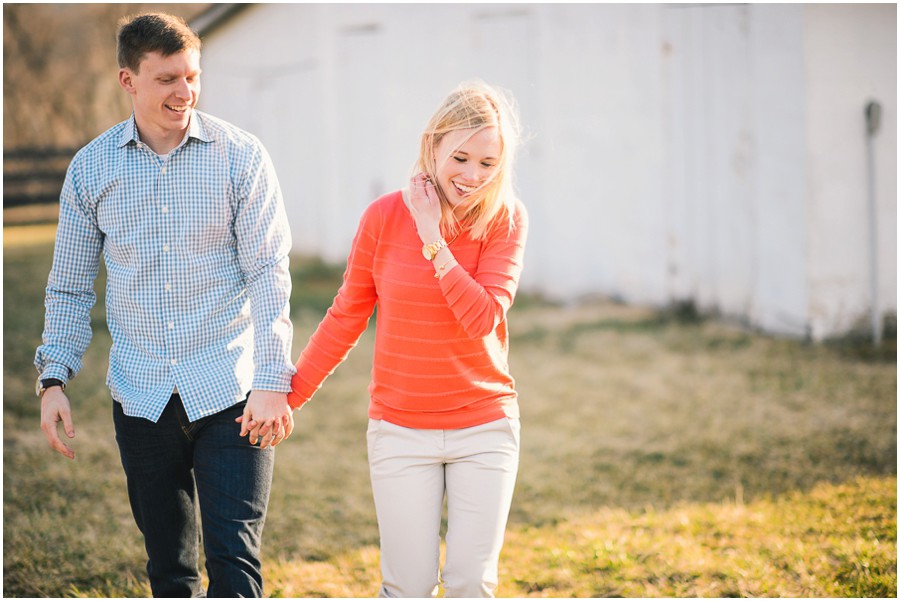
<point>346,319</point>
<point>479,301</point>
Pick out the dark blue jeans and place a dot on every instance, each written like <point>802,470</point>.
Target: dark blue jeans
<point>173,464</point>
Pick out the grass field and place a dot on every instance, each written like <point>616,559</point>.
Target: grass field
<point>662,455</point>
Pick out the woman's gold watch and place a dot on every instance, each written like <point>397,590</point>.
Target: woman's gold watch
<point>430,251</point>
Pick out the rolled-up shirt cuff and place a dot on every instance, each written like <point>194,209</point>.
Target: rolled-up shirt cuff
<point>58,371</point>
<point>274,382</point>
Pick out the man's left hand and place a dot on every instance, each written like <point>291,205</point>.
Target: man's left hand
<point>267,418</point>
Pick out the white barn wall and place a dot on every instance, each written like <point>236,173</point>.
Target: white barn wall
<point>735,197</point>
<point>672,151</point>
<point>711,242</point>
<point>597,155</point>
<point>851,57</point>
<point>781,291</point>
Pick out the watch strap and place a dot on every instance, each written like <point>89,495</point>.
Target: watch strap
<point>43,385</point>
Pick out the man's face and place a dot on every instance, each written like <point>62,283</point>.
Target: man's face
<point>164,91</point>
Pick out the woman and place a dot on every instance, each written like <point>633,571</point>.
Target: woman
<point>442,261</point>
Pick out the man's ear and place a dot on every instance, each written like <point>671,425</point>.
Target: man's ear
<point>125,80</point>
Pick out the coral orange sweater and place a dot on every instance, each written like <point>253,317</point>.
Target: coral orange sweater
<point>441,346</point>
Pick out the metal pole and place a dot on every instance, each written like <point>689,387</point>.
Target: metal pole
<point>873,121</point>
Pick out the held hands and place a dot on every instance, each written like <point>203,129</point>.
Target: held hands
<point>55,408</point>
<point>425,207</point>
<point>267,418</point>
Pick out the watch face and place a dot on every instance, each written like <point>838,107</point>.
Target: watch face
<point>430,251</point>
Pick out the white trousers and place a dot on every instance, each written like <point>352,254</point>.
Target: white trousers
<point>411,470</point>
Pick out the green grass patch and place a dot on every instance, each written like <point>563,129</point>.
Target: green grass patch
<point>831,541</point>
<point>663,454</point>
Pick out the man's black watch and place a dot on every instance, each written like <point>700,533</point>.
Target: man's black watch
<point>43,385</point>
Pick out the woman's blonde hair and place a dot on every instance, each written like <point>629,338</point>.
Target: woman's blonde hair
<point>475,105</point>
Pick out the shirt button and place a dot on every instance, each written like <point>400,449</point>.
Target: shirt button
<point>163,171</point>
<point>168,287</point>
<point>165,209</point>
<point>173,361</point>
<point>166,248</point>
<point>171,325</point>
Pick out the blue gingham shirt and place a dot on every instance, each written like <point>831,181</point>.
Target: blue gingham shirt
<point>196,250</point>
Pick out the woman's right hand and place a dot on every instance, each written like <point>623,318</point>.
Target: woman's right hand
<point>425,207</point>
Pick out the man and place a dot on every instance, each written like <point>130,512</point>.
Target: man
<point>188,215</point>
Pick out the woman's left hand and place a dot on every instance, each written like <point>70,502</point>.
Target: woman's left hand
<point>425,207</point>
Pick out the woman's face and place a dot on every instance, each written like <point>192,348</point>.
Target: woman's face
<point>465,162</point>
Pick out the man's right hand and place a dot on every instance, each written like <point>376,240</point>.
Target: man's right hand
<point>54,409</point>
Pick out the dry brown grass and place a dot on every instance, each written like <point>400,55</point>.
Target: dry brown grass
<point>633,421</point>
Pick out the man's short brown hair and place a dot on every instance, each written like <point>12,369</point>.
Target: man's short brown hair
<point>154,32</point>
